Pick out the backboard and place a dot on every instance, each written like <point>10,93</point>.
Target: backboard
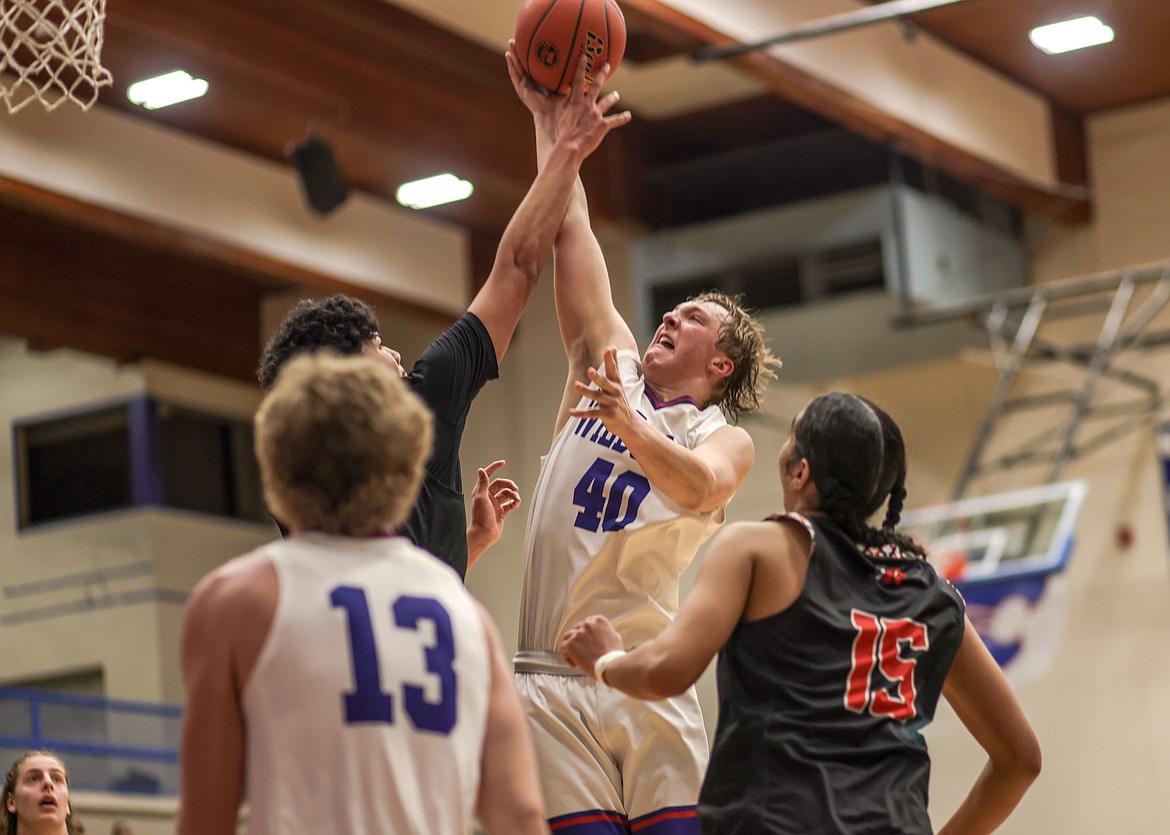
<point>1003,552</point>
<point>1006,535</point>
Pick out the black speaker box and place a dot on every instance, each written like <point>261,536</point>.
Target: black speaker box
<point>325,188</point>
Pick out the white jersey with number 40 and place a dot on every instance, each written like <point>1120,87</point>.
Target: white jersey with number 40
<point>603,540</point>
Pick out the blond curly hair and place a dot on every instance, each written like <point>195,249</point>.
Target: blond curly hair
<point>741,338</point>
<point>341,442</point>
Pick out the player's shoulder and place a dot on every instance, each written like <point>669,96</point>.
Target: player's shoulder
<point>466,333</point>
<point>235,602</point>
<point>794,528</point>
<point>731,433</point>
<point>755,538</point>
<point>733,442</point>
<point>243,581</point>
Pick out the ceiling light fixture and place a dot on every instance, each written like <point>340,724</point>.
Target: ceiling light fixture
<point>1068,35</point>
<point>165,90</point>
<point>433,191</point>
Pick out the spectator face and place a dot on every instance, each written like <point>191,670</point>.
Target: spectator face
<point>40,797</point>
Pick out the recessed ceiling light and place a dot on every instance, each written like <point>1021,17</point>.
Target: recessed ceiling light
<point>433,191</point>
<point>1068,35</point>
<point>165,90</point>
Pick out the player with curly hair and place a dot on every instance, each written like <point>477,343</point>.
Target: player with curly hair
<point>451,372</point>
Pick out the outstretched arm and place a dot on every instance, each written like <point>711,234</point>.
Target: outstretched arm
<point>984,702</point>
<point>723,593</point>
<point>580,122</point>
<point>509,800</point>
<point>588,318</point>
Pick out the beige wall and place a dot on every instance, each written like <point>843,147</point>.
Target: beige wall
<point>140,168</point>
<point>97,812</point>
<point>153,556</point>
<point>1100,711</point>
<point>1129,163</point>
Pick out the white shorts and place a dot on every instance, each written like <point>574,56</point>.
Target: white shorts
<point>612,764</point>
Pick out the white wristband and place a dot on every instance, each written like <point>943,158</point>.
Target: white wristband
<point>604,661</point>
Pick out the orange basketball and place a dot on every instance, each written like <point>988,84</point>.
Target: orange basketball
<point>551,36</point>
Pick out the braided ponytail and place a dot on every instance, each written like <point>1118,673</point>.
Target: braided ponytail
<point>894,509</point>
<point>839,504</point>
<point>892,483</point>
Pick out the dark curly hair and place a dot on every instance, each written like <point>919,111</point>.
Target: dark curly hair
<point>857,457</point>
<point>341,324</point>
<point>741,337</point>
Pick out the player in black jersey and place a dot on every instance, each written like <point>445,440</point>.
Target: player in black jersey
<point>835,640</point>
<point>448,376</point>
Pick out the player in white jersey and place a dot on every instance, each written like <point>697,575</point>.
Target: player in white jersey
<point>583,531</point>
<point>641,467</point>
<point>343,679</point>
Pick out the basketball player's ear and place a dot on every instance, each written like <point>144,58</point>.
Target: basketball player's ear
<point>800,474</point>
<point>721,367</point>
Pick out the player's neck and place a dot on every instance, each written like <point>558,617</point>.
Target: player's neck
<point>667,390</point>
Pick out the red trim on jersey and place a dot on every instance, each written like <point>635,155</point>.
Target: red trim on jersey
<point>658,404</point>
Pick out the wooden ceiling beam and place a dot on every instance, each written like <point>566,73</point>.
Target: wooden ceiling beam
<point>80,276</point>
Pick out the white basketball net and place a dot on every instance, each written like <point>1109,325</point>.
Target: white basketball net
<point>50,51</point>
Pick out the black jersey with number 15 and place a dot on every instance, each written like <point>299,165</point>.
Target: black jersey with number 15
<point>821,705</point>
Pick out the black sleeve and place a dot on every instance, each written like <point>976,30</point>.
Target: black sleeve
<point>451,372</point>
<point>448,376</point>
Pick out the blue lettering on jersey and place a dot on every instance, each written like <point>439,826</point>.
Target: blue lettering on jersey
<point>594,431</point>
<point>605,504</point>
<point>368,702</point>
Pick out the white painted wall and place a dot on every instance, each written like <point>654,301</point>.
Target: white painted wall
<point>61,584</point>
<point>1129,167</point>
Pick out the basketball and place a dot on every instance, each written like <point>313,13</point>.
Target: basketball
<point>551,35</point>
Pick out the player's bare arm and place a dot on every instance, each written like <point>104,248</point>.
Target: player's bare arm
<point>509,801</point>
<point>720,599</point>
<point>581,120</point>
<point>588,318</point>
<point>589,321</point>
<point>223,630</point>
<point>702,479</point>
<point>983,700</point>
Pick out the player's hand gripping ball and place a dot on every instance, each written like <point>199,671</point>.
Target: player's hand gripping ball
<point>551,36</point>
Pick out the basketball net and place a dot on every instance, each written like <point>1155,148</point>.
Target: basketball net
<point>50,51</point>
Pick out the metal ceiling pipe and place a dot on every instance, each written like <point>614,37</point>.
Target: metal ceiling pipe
<point>827,26</point>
